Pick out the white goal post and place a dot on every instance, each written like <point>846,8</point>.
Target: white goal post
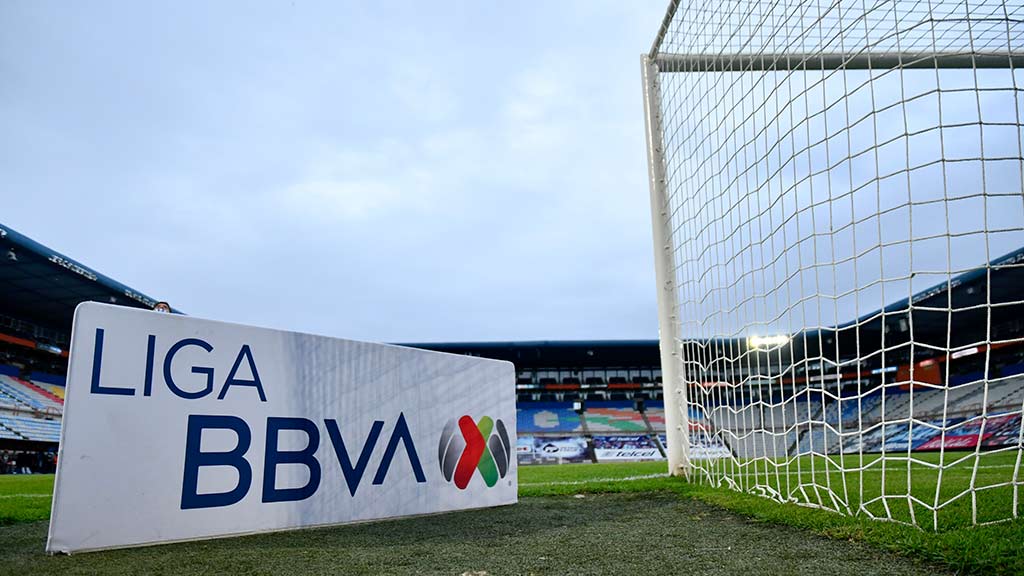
<point>837,202</point>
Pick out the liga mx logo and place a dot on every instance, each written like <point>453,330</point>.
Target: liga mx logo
<point>467,446</point>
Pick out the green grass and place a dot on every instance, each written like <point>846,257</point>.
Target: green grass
<point>571,519</point>
<point>25,498</point>
<point>993,549</point>
<point>854,484</point>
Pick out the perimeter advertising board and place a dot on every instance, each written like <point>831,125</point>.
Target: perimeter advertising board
<point>177,428</point>
<point>608,448</point>
<point>560,449</point>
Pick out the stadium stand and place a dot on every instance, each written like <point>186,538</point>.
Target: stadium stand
<point>579,399</point>
<point>547,418</point>
<point>24,394</point>
<point>52,383</point>
<point>575,395</point>
<point>39,290</point>
<point>611,416</point>
<point>840,409</point>
<point>29,428</point>
<point>831,410</point>
<point>8,434</point>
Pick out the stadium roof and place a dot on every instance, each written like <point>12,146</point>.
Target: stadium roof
<point>559,353</point>
<point>953,313</point>
<point>948,315</point>
<point>43,286</point>
<point>968,301</point>
<point>1007,286</point>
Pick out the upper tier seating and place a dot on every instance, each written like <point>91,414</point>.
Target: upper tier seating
<point>28,395</point>
<point>542,417</point>
<point>615,417</point>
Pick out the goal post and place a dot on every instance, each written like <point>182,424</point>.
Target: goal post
<point>837,203</point>
<point>674,390</point>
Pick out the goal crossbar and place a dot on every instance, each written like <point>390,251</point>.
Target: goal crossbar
<point>821,61</point>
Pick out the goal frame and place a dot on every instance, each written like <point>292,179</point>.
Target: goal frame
<point>653,64</point>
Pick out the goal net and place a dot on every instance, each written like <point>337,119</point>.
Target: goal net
<point>837,195</point>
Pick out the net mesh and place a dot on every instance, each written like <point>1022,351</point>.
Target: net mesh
<point>843,195</point>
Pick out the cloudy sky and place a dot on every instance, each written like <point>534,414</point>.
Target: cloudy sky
<point>400,171</point>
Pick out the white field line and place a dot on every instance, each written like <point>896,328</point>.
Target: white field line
<point>595,480</point>
<point>663,475</point>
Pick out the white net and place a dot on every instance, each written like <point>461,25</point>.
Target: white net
<point>842,191</point>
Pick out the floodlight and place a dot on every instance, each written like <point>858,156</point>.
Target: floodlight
<point>767,341</point>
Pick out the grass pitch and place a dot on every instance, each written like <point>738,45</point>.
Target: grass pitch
<point>25,498</point>
<point>931,490</point>
<point>574,519</point>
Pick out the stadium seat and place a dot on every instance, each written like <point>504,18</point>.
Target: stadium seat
<point>614,417</point>
<point>547,417</point>
<point>28,428</point>
<point>28,395</point>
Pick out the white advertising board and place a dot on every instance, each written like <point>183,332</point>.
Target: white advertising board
<point>177,428</point>
<point>608,448</point>
<point>703,448</point>
<point>606,454</point>
<point>560,449</point>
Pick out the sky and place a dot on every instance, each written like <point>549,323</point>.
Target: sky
<point>400,171</point>
<point>807,199</point>
<point>847,213</point>
<point>473,171</point>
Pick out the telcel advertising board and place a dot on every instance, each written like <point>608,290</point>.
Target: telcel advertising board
<point>177,428</point>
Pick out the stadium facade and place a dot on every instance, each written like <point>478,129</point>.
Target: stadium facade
<point>602,400</point>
